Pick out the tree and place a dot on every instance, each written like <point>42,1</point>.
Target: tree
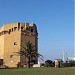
<point>49,63</point>
<point>29,52</point>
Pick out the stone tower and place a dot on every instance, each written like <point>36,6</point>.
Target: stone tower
<point>12,37</point>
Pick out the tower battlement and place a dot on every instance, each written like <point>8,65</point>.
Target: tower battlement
<point>8,28</point>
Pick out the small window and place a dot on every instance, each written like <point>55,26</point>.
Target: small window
<point>18,26</point>
<point>26,27</point>
<point>12,29</point>
<point>21,27</point>
<point>5,32</point>
<point>31,30</point>
<point>15,43</point>
<point>9,31</point>
<point>1,61</point>
<point>0,33</point>
<point>11,56</point>
<point>15,28</point>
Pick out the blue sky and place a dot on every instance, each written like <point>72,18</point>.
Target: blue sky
<point>54,20</point>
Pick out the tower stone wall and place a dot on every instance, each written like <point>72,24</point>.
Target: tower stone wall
<point>12,37</point>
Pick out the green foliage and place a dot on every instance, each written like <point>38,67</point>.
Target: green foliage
<point>61,64</point>
<point>52,64</point>
<point>49,63</point>
<point>68,64</point>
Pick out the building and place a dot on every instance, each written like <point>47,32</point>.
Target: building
<point>71,59</point>
<point>12,37</point>
<point>57,63</point>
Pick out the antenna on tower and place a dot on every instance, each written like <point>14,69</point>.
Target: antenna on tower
<point>63,55</point>
<point>66,57</point>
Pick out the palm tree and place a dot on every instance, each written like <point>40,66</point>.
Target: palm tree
<point>29,52</point>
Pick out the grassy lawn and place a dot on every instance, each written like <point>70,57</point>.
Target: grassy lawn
<point>38,71</point>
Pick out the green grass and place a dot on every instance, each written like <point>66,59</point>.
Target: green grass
<point>38,71</point>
